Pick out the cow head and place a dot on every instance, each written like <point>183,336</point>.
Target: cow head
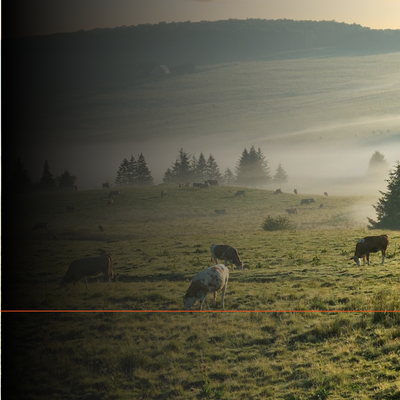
<point>188,301</point>
<point>356,259</point>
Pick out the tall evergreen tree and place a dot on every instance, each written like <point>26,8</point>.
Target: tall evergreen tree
<point>388,207</point>
<point>377,166</point>
<point>132,171</point>
<point>212,169</point>
<point>143,174</point>
<point>201,169</point>
<point>20,180</point>
<point>66,181</point>
<point>181,169</point>
<point>252,168</point>
<point>47,181</point>
<point>228,177</point>
<point>123,173</point>
<point>280,175</point>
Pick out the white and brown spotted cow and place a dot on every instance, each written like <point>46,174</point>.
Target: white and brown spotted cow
<point>209,280</point>
<point>226,253</point>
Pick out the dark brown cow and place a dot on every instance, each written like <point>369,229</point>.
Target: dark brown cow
<point>370,244</point>
<point>240,193</point>
<point>226,253</point>
<point>90,266</point>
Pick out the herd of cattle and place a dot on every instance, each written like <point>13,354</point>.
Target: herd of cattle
<point>211,279</point>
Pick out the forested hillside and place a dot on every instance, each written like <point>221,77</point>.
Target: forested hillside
<point>70,60</point>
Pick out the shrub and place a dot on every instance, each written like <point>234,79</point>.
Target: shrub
<point>279,223</point>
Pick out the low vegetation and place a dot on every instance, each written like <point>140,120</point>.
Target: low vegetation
<point>302,321</point>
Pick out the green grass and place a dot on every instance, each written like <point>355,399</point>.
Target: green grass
<point>158,245</point>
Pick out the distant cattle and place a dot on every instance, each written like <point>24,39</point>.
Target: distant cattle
<point>196,184</point>
<point>40,225</point>
<point>90,266</point>
<point>223,211</point>
<point>113,193</point>
<point>212,182</point>
<point>321,206</point>
<point>200,185</point>
<point>187,184</point>
<point>163,192</point>
<point>295,191</point>
<point>278,191</point>
<point>70,208</point>
<point>106,185</point>
<point>240,193</point>
<point>326,194</point>
<point>110,202</point>
<point>291,210</point>
<point>209,280</point>
<point>101,228</point>
<point>370,244</point>
<point>307,201</point>
<point>180,184</point>
<point>226,253</point>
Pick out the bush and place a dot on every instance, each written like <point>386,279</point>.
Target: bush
<point>278,223</point>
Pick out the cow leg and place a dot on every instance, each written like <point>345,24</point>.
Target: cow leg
<point>367,255</point>
<point>215,299</point>
<point>383,256</point>
<point>223,296</point>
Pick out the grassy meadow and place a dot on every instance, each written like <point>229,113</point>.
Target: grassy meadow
<point>333,351</point>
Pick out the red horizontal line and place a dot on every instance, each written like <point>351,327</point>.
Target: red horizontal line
<point>198,311</point>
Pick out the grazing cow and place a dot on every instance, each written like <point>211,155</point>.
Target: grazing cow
<point>291,210</point>
<point>209,280</point>
<point>295,191</point>
<point>70,208</point>
<point>226,253</point>
<point>307,201</point>
<point>187,184</point>
<point>278,191</point>
<point>212,182</point>
<point>40,225</point>
<point>326,194</point>
<point>90,266</point>
<point>110,202</point>
<point>370,244</point>
<point>163,192</point>
<point>321,206</point>
<point>203,186</point>
<point>106,185</point>
<point>180,184</point>
<point>113,193</point>
<point>240,193</point>
<point>196,184</point>
<point>101,228</point>
<point>223,211</point>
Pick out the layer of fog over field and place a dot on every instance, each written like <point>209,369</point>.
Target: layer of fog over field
<point>321,118</point>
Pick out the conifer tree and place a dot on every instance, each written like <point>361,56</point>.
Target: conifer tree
<point>377,166</point>
<point>201,169</point>
<point>252,168</point>
<point>388,207</point>
<point>212,169</point>
<point>123,173</point>
<point>47,181</point>
<point>181,169</point>
<point>228,177</point>
<point>66,181</point>
<point>132,171</point>
<point>143,174</point>
<point>280,175</point>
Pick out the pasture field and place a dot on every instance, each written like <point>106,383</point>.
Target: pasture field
<point>347,344</point>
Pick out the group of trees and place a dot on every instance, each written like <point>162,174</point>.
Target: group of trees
<point>21,181</point>
<point>134,173</point>
<point>251,170</point>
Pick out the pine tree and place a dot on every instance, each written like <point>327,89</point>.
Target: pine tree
<point>47,181</point>
<point>388,207</point>
<point>252,168</point>
<point>66,181</point>
<point>123,173</point>
<point>280,175</point>
<point>228,178</point>
<point>132,172</point>
<point>377,166</point>
<point>181,169</point>
<point>212,169</point>
<point>143,174</point>
<point>20,180</point>
<point>201,169</point>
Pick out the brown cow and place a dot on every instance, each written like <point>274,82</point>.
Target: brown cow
<point>370,244</point>
<point>226,253</point>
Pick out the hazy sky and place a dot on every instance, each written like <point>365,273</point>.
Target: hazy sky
<point>51,16</point>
